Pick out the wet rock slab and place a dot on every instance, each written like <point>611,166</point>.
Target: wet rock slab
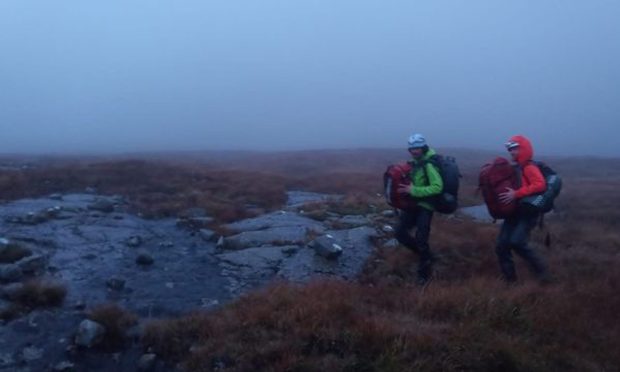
<point>85,250</point>
<point>165,269</point>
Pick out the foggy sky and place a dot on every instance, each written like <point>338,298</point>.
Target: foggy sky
<point>150,75</point>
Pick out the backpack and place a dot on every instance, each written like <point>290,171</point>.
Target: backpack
<point>395,176</point>
<point>543,202</point>
<point>447,201</point>
<point>494,179</point>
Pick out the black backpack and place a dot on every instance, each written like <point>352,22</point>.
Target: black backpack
<point>543,202</point>
<point>447,201</point>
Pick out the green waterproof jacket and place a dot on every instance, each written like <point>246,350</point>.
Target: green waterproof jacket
<point>425,184</point>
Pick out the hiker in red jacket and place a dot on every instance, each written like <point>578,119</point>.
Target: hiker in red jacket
<point>515,231</point>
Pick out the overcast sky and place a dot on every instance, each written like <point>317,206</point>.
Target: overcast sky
<point>142,75</point>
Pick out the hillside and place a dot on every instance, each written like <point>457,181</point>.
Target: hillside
<point>466,319</point>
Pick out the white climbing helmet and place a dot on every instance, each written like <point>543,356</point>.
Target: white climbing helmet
<point>417,141</point>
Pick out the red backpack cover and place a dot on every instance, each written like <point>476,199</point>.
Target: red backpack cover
<point>395,176</point>
<point>494,178</point>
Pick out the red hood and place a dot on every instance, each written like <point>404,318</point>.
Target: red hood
<point>526,152</point>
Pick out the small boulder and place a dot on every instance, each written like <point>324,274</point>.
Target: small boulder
<point>387,229</point>
<point>89,333</point>
<point>65,366</point>
<point>354,221</point>
<point>392,243</point>
<point>102,205</point>
<point>115,284</point>
<point>144,259</point>
<point>326,246</point>
<point>194,223</point>
<point>147,362</point>
<point>32,264</point>
<point>221,243</point>
<point>90,190</point>
<point>31,353</point>
<point>56,196</point>
<point>388,213</point>
<point>11,291</point>
<point>193,212</point>
<point>10,273</point>
<point>134,241</point>
<point>207,235</point>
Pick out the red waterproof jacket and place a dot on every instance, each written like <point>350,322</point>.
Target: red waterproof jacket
<point>532,180</point>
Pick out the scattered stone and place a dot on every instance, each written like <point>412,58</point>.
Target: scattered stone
<point>326,246</point>
<point>10,291</point>
<point>144,259</point>
<point>392,243</point>
<point>285,235</point>
<point>147,362</point>
<point>56,196</point>
<point>354,221</point>
<point>209,303</point>
<point>193,212</point>
<point>52,213</point>
<point>13,252</point>
<point>32,264</point>
<point>31,218</point>
<point>134,241</point>
<point>65,366</point>
<point>31,353</point>
<point>10,273</point>
<point>4,242</point>
<point>115,284</point>
<point>207,235</point>
<point>166,244</point>
<point>102,205</point>
<point>297,199</point>
<point>220,243</point>
<point>89,333</point>
<point>276,219</point>
<point>71,350</point>
<point>170,285</point>
<point>290,250</point>
<point>90,190</point>
<point>194,223</point>
<point>119,199</point>
<point>5,306</point>
<point>80,305</point>
<point>6,360</point>
<point>388,213</point>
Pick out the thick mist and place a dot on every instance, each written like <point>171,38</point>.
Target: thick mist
<point>118,76</point>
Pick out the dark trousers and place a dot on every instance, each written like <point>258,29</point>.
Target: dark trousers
<point>421,219</point>
<point>514,236</point>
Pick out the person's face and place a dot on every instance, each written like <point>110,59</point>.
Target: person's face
<point>416,153</point>
<point>514,152</point>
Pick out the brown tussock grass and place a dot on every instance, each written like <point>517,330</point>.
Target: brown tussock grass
<point>34,294</point>
<point>13,252</point>
<point>116,321</point>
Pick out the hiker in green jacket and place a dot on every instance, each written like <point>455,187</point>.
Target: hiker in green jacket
<point>426,183</point>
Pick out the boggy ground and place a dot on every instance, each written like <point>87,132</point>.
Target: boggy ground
<point>466,319</point>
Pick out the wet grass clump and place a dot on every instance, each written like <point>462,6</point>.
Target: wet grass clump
<point>13,252</point>
<point>36,294</point>
<point>116,321</point>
